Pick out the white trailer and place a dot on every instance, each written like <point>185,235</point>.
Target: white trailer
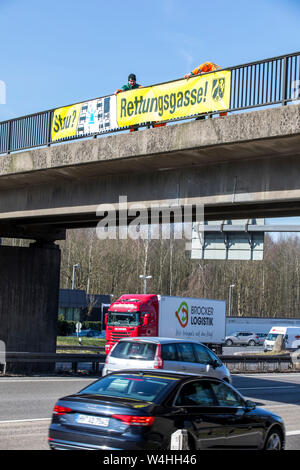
<point>201,320</point>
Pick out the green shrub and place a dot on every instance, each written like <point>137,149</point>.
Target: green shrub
<point>68,327</point>
<point>93,325</point>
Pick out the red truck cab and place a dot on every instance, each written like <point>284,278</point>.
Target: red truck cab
<point>131,315</point>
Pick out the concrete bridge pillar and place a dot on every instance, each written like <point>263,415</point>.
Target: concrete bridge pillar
<point>29,289</point>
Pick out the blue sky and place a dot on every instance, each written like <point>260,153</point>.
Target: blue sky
<point>58,53</point>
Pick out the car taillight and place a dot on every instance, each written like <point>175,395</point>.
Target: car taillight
<point>61,410</point>
<point>135,420</point>
<point>158,360</point>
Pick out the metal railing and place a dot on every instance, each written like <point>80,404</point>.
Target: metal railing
<point>235,363</point>
<point>267,82</point>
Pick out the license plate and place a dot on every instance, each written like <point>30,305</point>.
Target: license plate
<point>93,420</point>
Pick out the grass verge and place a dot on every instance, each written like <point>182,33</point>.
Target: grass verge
<point>73,341</point>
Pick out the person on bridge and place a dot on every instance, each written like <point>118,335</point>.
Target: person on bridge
<point>206,67</point>
<point>203,68</point>
<point>131,85</point>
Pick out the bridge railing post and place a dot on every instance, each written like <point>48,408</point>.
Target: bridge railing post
<point>49,128</point>
<point>8,137</point>
<point>284,81</point>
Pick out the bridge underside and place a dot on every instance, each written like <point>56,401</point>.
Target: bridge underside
<point>261,187</point>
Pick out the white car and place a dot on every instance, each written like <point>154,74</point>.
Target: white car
<point>165,353</point>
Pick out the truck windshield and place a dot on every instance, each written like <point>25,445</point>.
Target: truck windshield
<point>272,336</point>
<point>123,318</point>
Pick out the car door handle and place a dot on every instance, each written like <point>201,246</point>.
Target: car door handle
<point>231,420</point>
<point>179,411</point>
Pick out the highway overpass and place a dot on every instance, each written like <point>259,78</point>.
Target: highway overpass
<point>240,166</point>
<point>244,165</point>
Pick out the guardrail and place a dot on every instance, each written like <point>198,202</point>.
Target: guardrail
<point>237,363</point>
<point>267,82</point>
<point>260,363</point>
<point>78,348</point>
<point>37,357</point>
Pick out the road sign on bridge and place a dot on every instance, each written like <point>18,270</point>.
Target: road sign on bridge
<point>229,240</point>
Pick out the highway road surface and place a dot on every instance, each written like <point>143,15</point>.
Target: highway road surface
<point>26,404</point>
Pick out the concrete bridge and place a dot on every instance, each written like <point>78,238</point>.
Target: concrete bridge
<point>239,166</point>
<point>243,165</point>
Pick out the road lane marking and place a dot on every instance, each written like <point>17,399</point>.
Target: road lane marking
<point>265,388</point>
<point>292,433</point>
<point>270,375</point>
<point>13,421</point>
<point>283,405</point>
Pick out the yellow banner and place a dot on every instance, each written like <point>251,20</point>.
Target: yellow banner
<point>200,94</point>
<point>65,120</point>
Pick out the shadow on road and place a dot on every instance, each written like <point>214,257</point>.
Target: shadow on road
<point>284,388</point>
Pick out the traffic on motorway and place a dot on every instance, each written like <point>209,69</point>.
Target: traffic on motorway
<point>165,390</point>
<point>153,387</point>
<point>26,404</point>
<point>142,410</point>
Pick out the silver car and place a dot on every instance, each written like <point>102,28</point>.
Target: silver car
<point>242,338</point>
<point>165,353</point>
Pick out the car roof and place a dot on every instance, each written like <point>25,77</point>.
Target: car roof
<point>164,372</point>
<point>158,340</point>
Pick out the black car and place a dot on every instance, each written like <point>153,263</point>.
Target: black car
<point>140,410</point>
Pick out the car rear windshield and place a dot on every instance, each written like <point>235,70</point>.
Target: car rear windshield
<point>145,387</point>
<point>134,350</point>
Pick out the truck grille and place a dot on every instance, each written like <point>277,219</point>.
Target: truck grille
<point>118,335</point>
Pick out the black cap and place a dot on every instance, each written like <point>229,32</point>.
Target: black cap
<point>132,77</point>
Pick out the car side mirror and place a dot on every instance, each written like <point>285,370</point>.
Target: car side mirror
<point>250,405</point>
<point>215,364</point>
<point>146,319</point>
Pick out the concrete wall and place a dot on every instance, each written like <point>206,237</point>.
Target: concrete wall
<point>29,286</point>
<point>257,324</point>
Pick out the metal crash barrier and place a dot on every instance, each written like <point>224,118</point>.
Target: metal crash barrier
<point>235,363</point>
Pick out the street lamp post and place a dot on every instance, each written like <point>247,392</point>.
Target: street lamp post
<point>142,276</point>
<point>229,302</point>
<point>73,274</point>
